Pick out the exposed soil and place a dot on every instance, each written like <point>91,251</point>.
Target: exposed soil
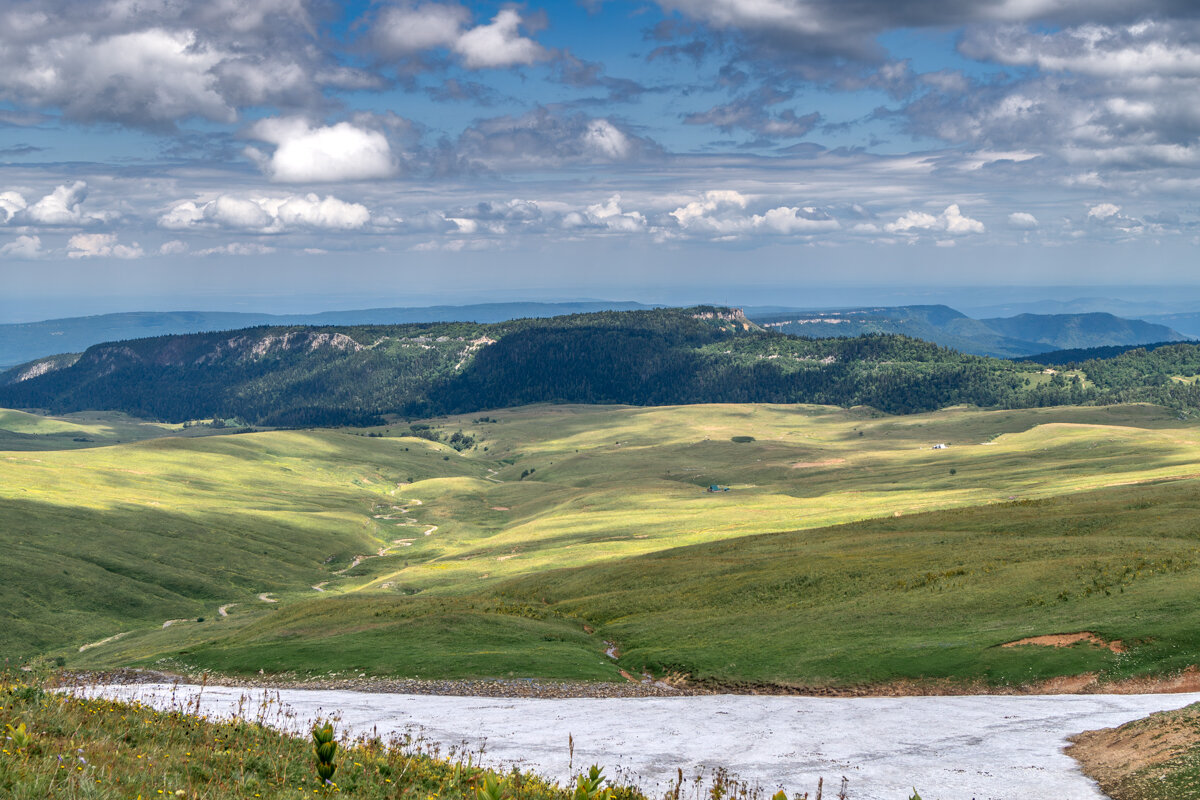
<point>1112,756</point>
<point>1069,639</point>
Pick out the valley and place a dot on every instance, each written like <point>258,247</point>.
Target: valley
<point>847,551</point>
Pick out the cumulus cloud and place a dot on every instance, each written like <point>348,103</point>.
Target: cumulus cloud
<point>175,247</point>
<point>1092,95</point>
<point>1022,220</point>
<point>409,30</point>
<point>61,207</point>
<point>23,247</point>
<point>267,214</point>
<point>152,64</point>
<point>1107,219</point>
<point>723,213</point>
<point>498,44</point>
<point>608,215</point>
<point>307,154</point>
<point>101,245</point>
<point>787,220</point>
<point>949,221</point>
<point>698,211</point>
<point>10,204</point>
<point>1103,211</point>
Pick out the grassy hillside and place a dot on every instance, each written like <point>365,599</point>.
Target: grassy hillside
<point>104,750</point>
<point>113,538</point>
<point>552,518</point>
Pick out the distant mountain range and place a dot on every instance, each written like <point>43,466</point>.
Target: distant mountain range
<point>1003,337</point>
<point>22,342</point>
<point>295,376</point>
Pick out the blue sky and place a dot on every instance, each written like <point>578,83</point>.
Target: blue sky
<point>689,149</point>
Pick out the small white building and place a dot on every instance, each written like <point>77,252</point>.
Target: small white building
<point>940,446</point>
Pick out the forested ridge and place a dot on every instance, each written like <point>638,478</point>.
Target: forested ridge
<point>301,376</point>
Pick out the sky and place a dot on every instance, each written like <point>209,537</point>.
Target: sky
<point>271,154</point>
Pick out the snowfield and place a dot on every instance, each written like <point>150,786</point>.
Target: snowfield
<point>949,748</point>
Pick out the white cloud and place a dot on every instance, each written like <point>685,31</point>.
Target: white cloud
<point>498,44</point>
<point>1103,211</point>
<point>786,220</point>
<point>340,152</point>
<point>1142,49</point>
<point>951,221</point>
<point>606,140</point>
<point>409,30</point>
<point>722,213</point>
<point>405,31</point>
<point>152,64</point>
<point>237,249</point>
<point>608,215</point>
<point>10,204</point>
<point>173,248</point>
<point>60,207</point>
<point>1022,220</point>
<point>101,245</point>
<point>267,214</point>
<point>697,211</point>
<point>22,247</point>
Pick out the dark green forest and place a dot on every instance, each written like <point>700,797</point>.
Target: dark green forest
<point>309,376</point>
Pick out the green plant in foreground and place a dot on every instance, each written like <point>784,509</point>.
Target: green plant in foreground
<point>491,789</point>
<point>589,786</point>
<point>324,747</point>
<point>20,737</point>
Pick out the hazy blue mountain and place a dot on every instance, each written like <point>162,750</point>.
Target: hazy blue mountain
<point>1005,337</point>
<point>935,323</point>
<point>1069,331</point>
<point>1188,324</point>
<point>24,342</point>
<point>1129,309</point>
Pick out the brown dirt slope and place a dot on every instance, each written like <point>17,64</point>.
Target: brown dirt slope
<point>1156,758</point>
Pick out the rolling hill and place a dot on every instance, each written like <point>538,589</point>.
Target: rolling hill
<point>561,527</point>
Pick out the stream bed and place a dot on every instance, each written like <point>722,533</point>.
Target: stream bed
<point>948,748</point>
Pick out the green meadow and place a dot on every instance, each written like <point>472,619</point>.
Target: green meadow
<point>847,549</point>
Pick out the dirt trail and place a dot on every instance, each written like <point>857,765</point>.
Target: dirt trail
<point>266,597</point>
<point>224,610</point>
<point>320,587</point>
<point>85,647</point>
<point>171,622</point>
<point>396,543</point>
